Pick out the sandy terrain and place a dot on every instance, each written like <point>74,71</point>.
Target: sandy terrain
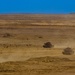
<point>21,44</point>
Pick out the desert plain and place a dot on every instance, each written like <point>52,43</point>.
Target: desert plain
<point>22,37</point>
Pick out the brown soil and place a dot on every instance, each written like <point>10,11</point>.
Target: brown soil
<point>21,44</point>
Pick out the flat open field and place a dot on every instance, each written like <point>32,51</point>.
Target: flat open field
<point>21,44</point>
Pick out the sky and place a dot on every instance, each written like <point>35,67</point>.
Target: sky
<point>37,6</point>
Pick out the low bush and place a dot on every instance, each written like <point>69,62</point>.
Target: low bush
<point>47,45</point>
<point>68,51</point>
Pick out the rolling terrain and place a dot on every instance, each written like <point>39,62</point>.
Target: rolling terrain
<point>22,37</point>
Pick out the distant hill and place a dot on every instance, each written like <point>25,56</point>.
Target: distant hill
<point>36,16</point>
<point>37,19</point>
<point>72,13</point>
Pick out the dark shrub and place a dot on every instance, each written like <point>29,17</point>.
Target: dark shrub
<point>47,45</point>
<point>27,39</point>
<point>68,51</point>
<point>6,35</point>
<point>40,37</point>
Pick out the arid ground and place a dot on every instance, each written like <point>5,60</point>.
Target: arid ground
<point>22,37</point>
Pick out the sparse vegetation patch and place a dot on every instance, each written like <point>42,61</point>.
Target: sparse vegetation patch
<point>7,35</point>
<point>68,51</point>
<point>47,45</point>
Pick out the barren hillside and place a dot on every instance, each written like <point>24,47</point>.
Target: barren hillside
<point>22,37</point>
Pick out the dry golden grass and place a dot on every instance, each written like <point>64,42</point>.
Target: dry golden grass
<point>42,65</point>
<point>21,44</point>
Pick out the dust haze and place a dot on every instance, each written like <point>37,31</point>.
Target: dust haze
<point>22,37</point>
